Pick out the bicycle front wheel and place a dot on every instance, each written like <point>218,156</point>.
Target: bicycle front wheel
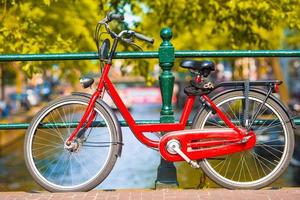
<point>59,169</point>
<point>266,161</point>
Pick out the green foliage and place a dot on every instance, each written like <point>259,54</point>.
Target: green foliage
<point>47,27</point>
<point>293,39</point>
<point>29,26</point>
<point>221,24</point>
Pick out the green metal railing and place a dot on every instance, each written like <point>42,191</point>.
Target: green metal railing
<point>123,123</point>
<point>166,56</point>
<point>149,54</point>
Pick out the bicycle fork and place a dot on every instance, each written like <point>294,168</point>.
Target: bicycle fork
<point>89,114</point>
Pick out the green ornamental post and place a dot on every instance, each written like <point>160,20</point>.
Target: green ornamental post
<point>166,173</point>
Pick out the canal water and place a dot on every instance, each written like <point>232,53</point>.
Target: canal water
<point>136,168</point>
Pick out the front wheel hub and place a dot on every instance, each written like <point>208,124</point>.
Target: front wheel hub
<point>72,146</point>
<point>68,143</point>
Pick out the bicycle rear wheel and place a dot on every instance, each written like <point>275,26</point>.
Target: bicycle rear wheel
<point>81,168</point>
<point>262,165</point>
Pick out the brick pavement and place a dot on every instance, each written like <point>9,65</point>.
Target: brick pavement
<point>164,194</point>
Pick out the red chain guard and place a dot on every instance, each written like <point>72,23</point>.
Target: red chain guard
<point>206,143</point>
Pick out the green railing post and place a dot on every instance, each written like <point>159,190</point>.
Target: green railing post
<point>166,173</point>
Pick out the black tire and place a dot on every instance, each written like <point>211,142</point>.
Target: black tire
<point>82,173</point>
<point>272,147</point>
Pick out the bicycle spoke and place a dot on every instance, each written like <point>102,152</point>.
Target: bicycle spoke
<point>271,145</point>
<point>236,169</point>
<point>47,151</point>
<point>254,161</point>
<point>259,114</point>
<point>264,146</point>
<point>45,144</point>
<point>248,169</point>
<point>253,109</point>
<point>232,111</point>
<point>62,120</point>
<point>259,162</point>
<point>223,164</point>
<point>65,169</point>
<point>71,171</point>
<point>82,166</point>
<point>215,124</point>
<point>57,164</point>
<point>66,118</point>
<point>265,160</point>
<point>271,124</point>
<point>46,165</point>
<point>273,140</point>
<point>50,133</point>
<point>242,164</point>
<point>227,166</point>
<point>55,128</point>
<point>49,142</point>
<point>276,125</point>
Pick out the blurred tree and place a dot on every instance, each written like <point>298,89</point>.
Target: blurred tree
<point>292,39</point>
<point>218,24</point>
<point>50,26</point>
<point>67,26</point>
<point>235,24</point>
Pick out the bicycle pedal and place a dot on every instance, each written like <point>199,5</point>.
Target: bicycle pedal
<point>173,147</point>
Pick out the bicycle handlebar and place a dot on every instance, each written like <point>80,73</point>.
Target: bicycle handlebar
<point>120,17</point>
<point>144,38</point>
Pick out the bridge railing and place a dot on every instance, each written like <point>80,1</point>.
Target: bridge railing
<point>166,56</point>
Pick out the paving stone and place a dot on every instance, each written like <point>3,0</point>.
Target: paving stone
<point>164,194</point>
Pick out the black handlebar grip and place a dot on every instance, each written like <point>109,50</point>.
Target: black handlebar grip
<point>115,16</point>
<point>144,38</point>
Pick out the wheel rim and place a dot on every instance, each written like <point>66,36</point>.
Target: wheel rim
<point>252,166</point>
<point>57,166</point>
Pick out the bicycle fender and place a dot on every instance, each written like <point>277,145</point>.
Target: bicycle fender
<point>113,117</point>
<point>258,90</point>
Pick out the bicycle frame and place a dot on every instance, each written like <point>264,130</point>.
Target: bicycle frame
<point>138,129</point>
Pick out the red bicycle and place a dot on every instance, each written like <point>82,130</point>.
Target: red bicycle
<point>241,137</point>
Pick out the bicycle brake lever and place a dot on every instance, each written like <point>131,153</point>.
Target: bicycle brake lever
<point>127,40</point>
<point>130,42</point>
<point>136,46</point>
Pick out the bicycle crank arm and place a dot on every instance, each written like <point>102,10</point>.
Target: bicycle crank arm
<point>197,144</point>
<point>173,147</point>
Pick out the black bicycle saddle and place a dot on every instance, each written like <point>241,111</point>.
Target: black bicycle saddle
<point>203,67</point>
